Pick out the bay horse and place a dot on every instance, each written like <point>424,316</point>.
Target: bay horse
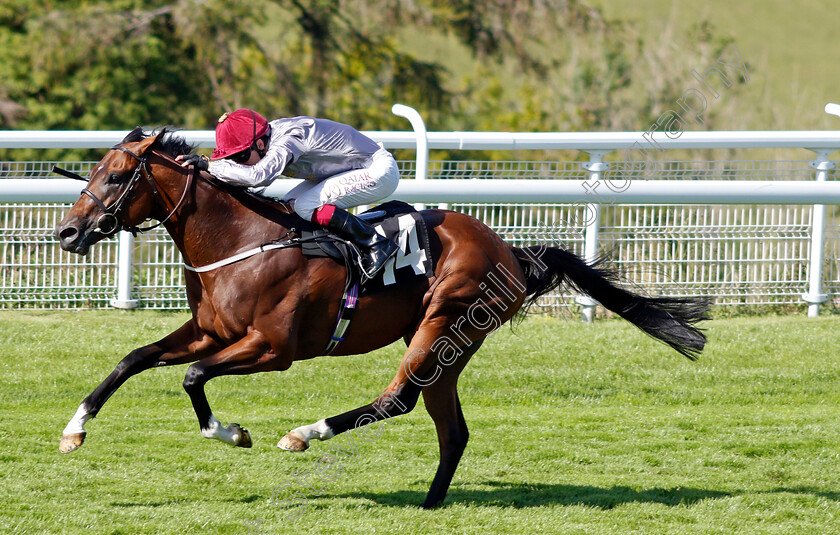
<point>267,311</point>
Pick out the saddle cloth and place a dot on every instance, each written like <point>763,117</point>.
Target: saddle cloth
<point>396,220</point>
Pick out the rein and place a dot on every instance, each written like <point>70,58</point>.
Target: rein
<point>109,223</point>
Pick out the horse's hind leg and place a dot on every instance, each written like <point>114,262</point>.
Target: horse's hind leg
<point>443,405</point>
<point>437,376</point>
<point>186,344</point>
<point>399,398</point>
<point>418,368</point>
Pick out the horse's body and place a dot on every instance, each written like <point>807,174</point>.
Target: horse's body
<point>265,312</point>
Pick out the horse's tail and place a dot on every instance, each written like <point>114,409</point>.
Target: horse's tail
<point>668,319</point>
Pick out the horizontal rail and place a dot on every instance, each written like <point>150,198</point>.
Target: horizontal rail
<point>582,141</point>
<point>522,191</point>
<point>612,141</point>
<point>638,192</point>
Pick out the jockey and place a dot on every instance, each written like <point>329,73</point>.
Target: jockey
<point>341,168</point>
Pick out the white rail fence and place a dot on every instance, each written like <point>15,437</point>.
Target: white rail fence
<point>745,232</point>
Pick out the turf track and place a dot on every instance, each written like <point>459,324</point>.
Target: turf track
<point>574,429</point>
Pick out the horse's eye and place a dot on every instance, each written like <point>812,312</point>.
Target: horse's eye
<point>114,178</point>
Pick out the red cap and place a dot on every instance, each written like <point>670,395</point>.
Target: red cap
<point>236,132</point>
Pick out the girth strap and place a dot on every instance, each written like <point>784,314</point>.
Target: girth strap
<point>345,316</point>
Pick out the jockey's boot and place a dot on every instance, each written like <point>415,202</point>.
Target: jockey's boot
<point>376,249</point>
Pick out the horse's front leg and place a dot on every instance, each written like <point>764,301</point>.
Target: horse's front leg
<point>187,344</point>
<point>251,354</point>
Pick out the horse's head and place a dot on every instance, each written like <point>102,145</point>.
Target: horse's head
<point>120,194</point>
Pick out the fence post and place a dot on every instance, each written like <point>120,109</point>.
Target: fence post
<point>592,229</point>
<point>422,163</point>
<point>125,269</point>
<point>815,295</point>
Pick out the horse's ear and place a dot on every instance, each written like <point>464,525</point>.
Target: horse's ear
<point>159,137</point>
<point>152,140</point>
<point>135,135</point>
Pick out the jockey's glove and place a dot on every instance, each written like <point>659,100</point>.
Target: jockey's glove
<point>200,161</point>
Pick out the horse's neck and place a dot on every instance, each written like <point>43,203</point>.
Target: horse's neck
<point>215,223</point>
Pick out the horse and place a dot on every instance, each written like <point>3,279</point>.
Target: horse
<point>264,312</point>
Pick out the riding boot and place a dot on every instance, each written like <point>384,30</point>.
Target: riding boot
<point>376,249</point>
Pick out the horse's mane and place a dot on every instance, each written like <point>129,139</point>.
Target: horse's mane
<point>173,145</point>
<point>167,142</point>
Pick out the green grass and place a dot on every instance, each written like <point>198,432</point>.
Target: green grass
<point>574,429</point>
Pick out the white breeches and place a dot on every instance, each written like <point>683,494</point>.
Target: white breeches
<point>346,190</point>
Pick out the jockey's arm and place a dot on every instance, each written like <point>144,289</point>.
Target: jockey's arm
<point>282,150</point>
<point>261,173</point>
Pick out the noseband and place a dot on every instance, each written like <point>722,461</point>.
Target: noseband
<point>108,222</point>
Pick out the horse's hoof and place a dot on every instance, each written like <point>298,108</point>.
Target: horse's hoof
<point>245,440</point>
<point>71,442</point>
<point>244,436</point>
<point>292,443</point>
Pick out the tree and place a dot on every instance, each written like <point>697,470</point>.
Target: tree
<point>508,64</point>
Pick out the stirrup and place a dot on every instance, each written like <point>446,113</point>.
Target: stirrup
<point>378,256</point>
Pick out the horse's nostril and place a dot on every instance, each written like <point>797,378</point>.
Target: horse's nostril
<point>68,234</point>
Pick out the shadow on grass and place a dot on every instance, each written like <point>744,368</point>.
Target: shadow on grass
<point>526,495</point>
<point>147,504</point>
<point>245,499</point>
<point>536,495</point>
<point>829,495</point>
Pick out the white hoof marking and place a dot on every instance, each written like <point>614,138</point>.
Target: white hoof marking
<point>319,431</point>
<point>76,424</point>
<point>219,432</point>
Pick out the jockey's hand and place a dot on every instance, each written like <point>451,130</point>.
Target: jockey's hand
<point>198,160</point>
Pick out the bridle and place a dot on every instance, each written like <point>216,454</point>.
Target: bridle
<point>108,222</point>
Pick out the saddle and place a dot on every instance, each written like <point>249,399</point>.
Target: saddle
<point>396,220</point>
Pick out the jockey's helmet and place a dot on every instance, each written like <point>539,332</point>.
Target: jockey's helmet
<point>238,130</point>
